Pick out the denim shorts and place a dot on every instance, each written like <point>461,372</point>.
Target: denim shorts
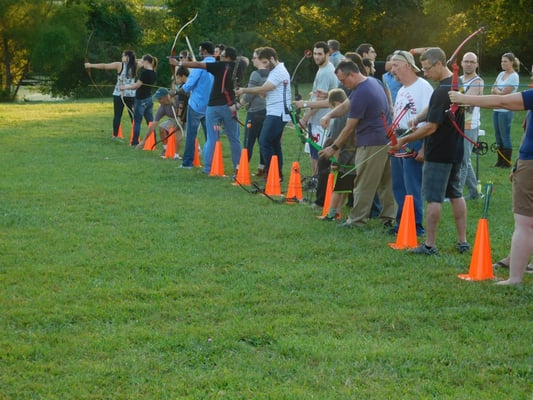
<point>441,180</point>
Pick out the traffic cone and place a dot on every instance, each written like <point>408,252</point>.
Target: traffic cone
<point>481,262</point>
<point>406,237</point>
<point>217,165</point>
<point>196,159</point>
<point>149,144</point>
<point>329,192</point>
<point>119,134</point>
<point>272,187</point>
<point>243,173</point>
<point>170,151</point>
<point>294,190</point>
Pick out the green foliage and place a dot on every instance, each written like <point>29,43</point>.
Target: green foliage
<point>124,277</point>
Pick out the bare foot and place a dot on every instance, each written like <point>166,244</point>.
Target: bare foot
<point>508,282</point>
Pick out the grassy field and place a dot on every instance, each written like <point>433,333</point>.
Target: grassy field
<point>124,277</point>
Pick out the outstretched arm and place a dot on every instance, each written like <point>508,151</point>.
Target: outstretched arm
<point>512,102</point>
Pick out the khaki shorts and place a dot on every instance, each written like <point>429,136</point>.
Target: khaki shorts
<point>523,188</point>
<point>169,125</point>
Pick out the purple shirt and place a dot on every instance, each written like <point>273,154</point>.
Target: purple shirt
<point>369,104</point>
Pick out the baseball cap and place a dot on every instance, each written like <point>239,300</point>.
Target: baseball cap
<point>161,92</point>
<point>405,56</point>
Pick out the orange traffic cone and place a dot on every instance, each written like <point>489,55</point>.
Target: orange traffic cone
<point>329,191</point>
<point>170,152</point>
<point>119,134</point>
<point>149,144</point>
<point>481,262</point>
<point>217,165</point>
<point>243,173</point>
<point>196,159</point>
<point>272,187</point>
<point>294,191</point>
<point>406,237</point>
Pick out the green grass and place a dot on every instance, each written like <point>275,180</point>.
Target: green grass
<point>123,277</point>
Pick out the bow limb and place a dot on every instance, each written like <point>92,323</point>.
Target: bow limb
<point>88,70</point>
<point>173,48</point>
<point>455,80</point>
<point>453,59</point>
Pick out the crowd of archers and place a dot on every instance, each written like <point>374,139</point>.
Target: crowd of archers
<point>380,127</point>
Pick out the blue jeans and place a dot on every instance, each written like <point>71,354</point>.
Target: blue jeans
<point>215,116</point>
<point>270,141</point>
<point>468,177</point>
<point>502,128</point>
<point>194,119</point>
<point>407,179</point>
<point>143,108</point>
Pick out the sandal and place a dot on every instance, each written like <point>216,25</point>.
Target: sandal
<point>501,264</point>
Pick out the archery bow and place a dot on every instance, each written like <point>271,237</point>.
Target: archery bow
<point>452,63</point>
<point>88,70</point>
<point>173,48</point>
<point>307,54</point>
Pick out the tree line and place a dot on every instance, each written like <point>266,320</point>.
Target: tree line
<point>52,39</point>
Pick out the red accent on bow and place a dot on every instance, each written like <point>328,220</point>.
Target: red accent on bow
<point>452,62</point>
<point>452,111</point>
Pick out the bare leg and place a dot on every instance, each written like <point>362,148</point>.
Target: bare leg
<point>433,211</point>
<point>521,249</point>
<point>459,213</point>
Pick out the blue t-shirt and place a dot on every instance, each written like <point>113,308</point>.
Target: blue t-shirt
<point>526,149</point>
<point>369,104</point>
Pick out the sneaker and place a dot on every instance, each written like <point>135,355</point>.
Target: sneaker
<point>260,172</point>
<point>462,247</point>
<point>328,217</point>
<point>529,269</point>
<point>177,157</point>
<point>346,224</point>
<point>423,249</point>
<point>162,155</point>
<point>185,166</point>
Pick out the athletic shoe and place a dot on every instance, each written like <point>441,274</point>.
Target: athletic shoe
<point>462,247</point>
<point>529,269</point>
<point>423,249</point>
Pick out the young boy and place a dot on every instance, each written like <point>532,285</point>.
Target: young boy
<point>345,158</point>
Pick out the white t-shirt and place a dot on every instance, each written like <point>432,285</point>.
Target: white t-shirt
<point>418,95</point>
<point>512,80</point>
<point>277,98</point>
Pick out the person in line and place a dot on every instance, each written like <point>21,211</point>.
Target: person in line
<point>198,86</point>
<point>126,71</point>
<point>506,82</point>
<point>325,80</point>
<point>172,105</point>
<point>472,84</point>
<point>366,107</point>
<point>443,154</point>
<point>522,178</point>
<point>222,106</point>
<point>344,159</point>
<point>335,56</point>
<point>278,102</point>
<point>256,106</point>
<point>407,170</point>
<point>167,108</point>
<point>143,106</point>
